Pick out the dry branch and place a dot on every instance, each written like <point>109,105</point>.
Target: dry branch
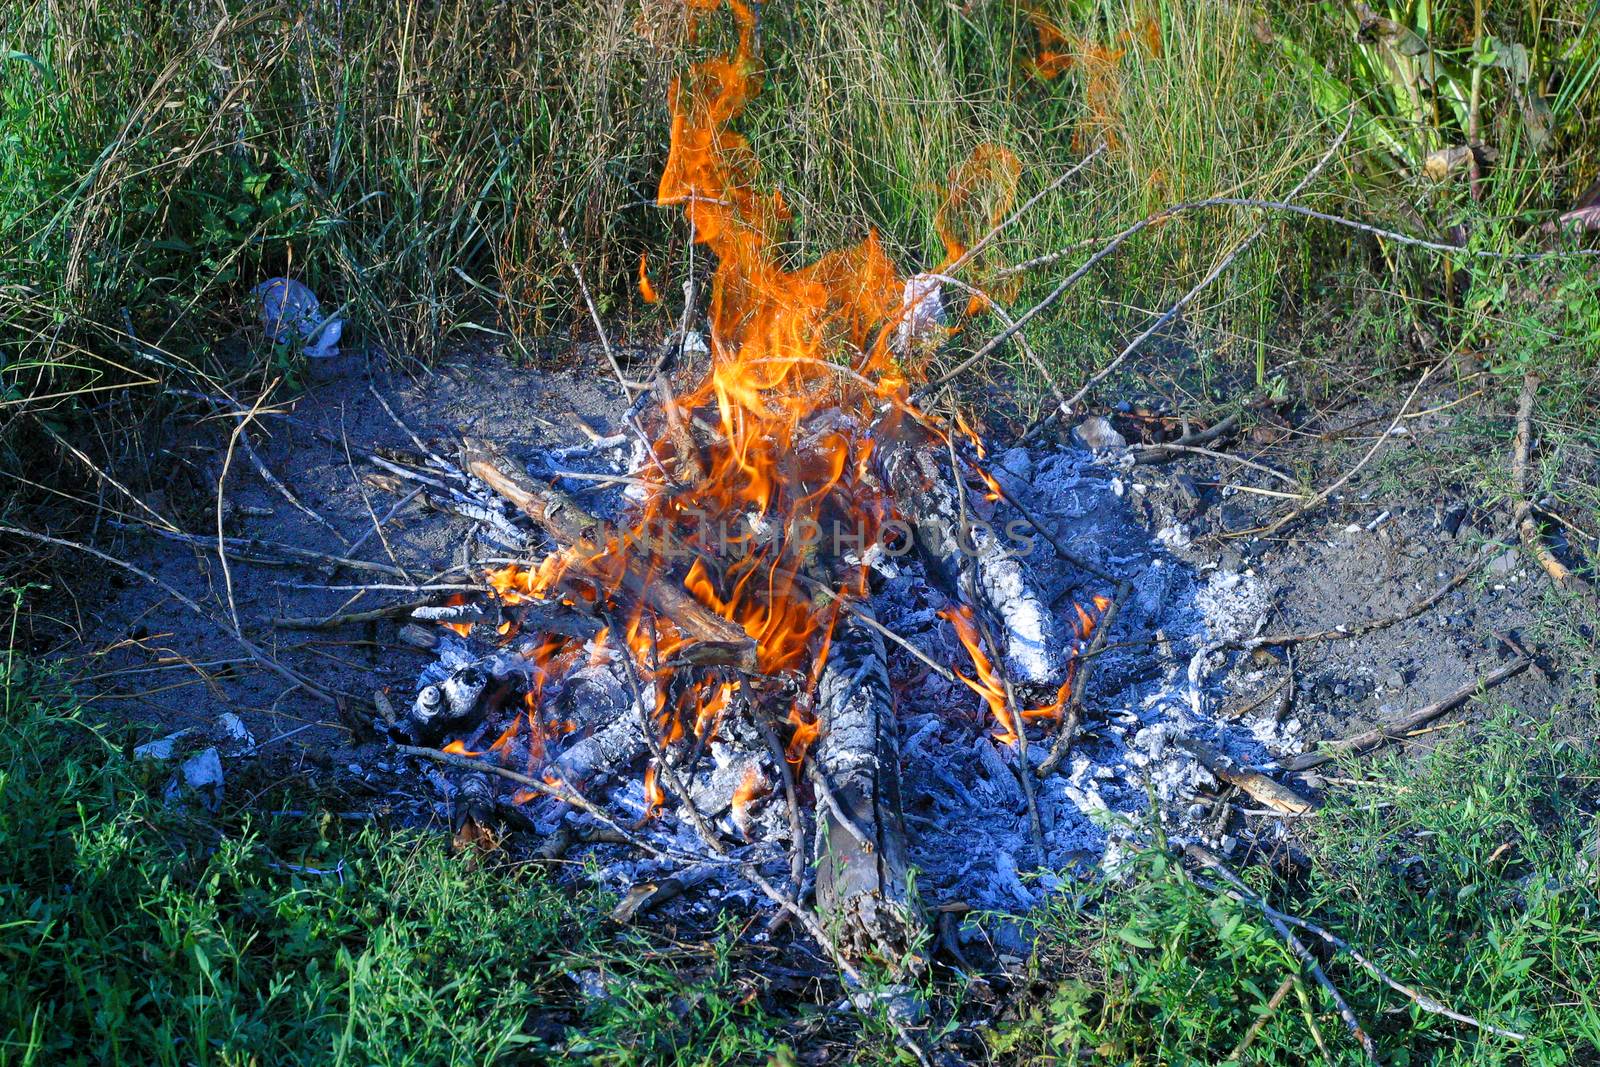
<point>1259,786</point>
<point>1527,526</point>
<point>1398,730</point>
<point>1072,715</point>
<point>714,639</point>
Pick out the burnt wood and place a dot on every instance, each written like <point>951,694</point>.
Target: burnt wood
<point>914,469</point>
<point>714,640</point>
<point>860,846</point>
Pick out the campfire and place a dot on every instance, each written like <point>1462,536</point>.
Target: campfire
<point>711,658</point>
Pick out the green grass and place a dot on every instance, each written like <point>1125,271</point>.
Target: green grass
<point>138,933</point>
<point>416,163</point>
<point>134,933</point>
<point>1472,877</point>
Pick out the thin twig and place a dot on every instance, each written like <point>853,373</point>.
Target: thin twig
<point>231,631</point>
<point>1318,499</point>
<point>1073,715</point>
<point>351,618</point>
<point>1243,893</point>
<point>284,491</point>
<point>797,834</point>
<point>1527,526</point>
<point>1210,860</point>
<point>243,545</point>
<point>1294,209</point>
<point>819,781</point>
<point>1072,279</point>
<point>628,387</point>
<point>1158,452</point>
<point>1345,632</point>
<point>983,242</point>
<point>1195,450</point>
<point>1406,725</point>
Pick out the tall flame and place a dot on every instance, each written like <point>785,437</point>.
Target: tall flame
<point>766,476</point>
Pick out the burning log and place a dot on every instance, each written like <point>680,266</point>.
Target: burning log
<point>712,639</point>
<point>1036,649</point>
<point>860,851</point>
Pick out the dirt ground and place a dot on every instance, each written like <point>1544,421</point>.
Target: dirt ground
<point>137,655</point>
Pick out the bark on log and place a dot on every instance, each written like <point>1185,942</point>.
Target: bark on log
<point>915,471</point>
<point>714,640</point>
<point>862,883</point>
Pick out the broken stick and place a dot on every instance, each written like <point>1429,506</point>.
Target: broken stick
<point>1396,731</point>
<point>713,639</point>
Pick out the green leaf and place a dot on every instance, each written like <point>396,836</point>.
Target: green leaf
<point>1135,938</point>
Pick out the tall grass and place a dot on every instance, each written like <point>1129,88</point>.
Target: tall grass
<point>416,163</point>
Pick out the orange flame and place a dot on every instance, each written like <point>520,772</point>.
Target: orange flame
<point>655,797</point>
<point>990,686</point>
<point>750,789</point>
<point>647,290</point>
<point>766,476</point>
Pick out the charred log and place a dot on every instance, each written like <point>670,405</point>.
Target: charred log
<point>713,639</point>
<point>1036,647</point>
<point>860,849</point>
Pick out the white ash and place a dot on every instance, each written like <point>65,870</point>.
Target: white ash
<point>967,826</point>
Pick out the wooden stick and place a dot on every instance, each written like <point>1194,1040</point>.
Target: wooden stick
<point>820,935</point>
<point>1241,892</point>
<point>1527,525</point>
<point>1261,1020</point>
<point>797,834</point>
<point>243,545</point>
<point>628,387</point>
<point>1397,730</point>
<point>233,632</point>
<point>819,782</point>
<point>1072,717</point>
<point>1346,632</point>
<point>1318,499</point>
<point>1261,787</point>
<point>1133,346</point>
<point>1014,706</point>
<point>717,640</point>
<point>351,618</point>
<point>1159,452</point>
<point>983,242</point>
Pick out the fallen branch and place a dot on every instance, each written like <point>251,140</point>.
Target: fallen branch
<point>1527,525</point>
<point>1346,632</point>
<point>1398,730</point>
<point>227,628</point>
<point>557,792</point>
<point>1206,858</point>
<point>1259,786</point>
<point>1243,893</point>
<point>1160,322</point>
<point>350,618</point>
